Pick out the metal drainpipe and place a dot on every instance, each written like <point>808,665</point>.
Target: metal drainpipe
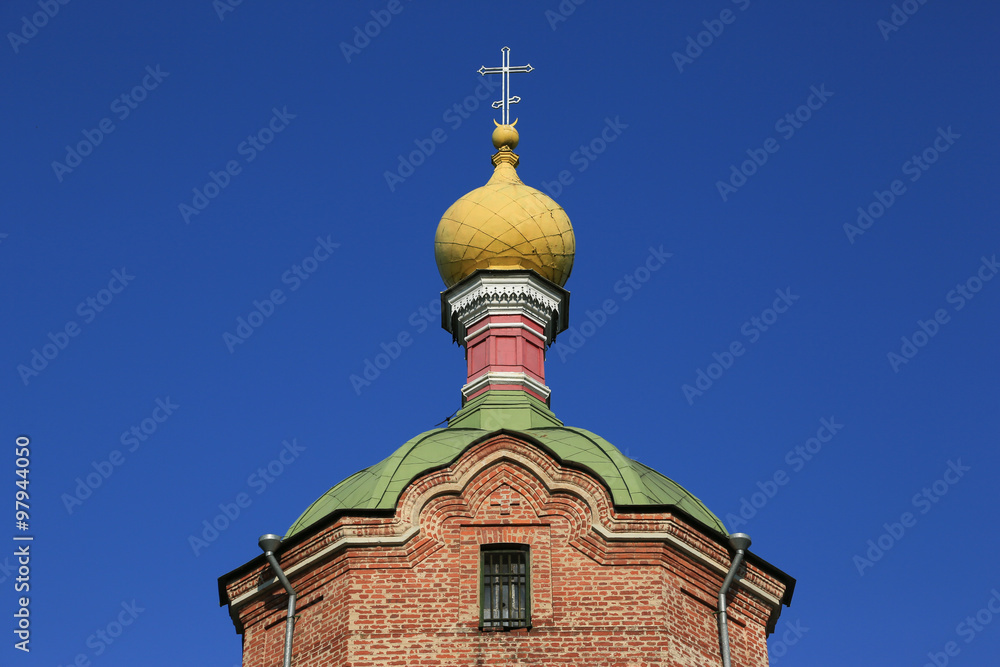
<point>268,543</point>
<point>740,542</point>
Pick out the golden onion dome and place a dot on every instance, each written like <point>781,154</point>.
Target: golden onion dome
<point>505,224</point>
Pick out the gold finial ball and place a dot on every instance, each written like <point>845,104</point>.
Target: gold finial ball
<point>505,135</point>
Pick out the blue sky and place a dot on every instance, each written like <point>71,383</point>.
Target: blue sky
<point>169,166</point>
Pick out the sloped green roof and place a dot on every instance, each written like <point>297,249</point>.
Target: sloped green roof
<point>379,486</point>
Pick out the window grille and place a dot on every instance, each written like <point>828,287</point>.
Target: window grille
<point>505,594</point>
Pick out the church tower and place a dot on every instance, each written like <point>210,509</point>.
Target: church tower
<point>507,537</point>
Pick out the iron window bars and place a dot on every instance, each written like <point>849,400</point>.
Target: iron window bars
<point>505,591</point>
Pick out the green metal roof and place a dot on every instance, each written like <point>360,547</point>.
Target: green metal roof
<point>379,486</point>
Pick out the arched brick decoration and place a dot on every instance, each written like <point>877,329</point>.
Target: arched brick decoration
<point>609,588</point>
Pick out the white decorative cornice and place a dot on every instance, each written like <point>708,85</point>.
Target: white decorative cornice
<point>505,293</point>
<point>505,378</point>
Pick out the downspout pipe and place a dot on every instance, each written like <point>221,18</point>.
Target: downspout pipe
<point>268,543</point>
<point>740,542</point>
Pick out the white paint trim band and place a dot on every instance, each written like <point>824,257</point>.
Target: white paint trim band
<point>502,325</point>
<point>520,379</point>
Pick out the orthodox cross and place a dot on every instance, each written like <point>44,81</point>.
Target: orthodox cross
<point>505,70</point>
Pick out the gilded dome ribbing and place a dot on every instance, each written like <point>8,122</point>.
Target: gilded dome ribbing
<point>505,224</point>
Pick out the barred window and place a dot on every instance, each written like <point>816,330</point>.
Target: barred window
<point>505,593</point>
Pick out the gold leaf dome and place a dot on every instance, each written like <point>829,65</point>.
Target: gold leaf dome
<point>505,224</point>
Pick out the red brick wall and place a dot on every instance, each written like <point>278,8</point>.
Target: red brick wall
<point>600,602</point>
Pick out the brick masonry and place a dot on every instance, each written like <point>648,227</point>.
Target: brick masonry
<point>608,588</point>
